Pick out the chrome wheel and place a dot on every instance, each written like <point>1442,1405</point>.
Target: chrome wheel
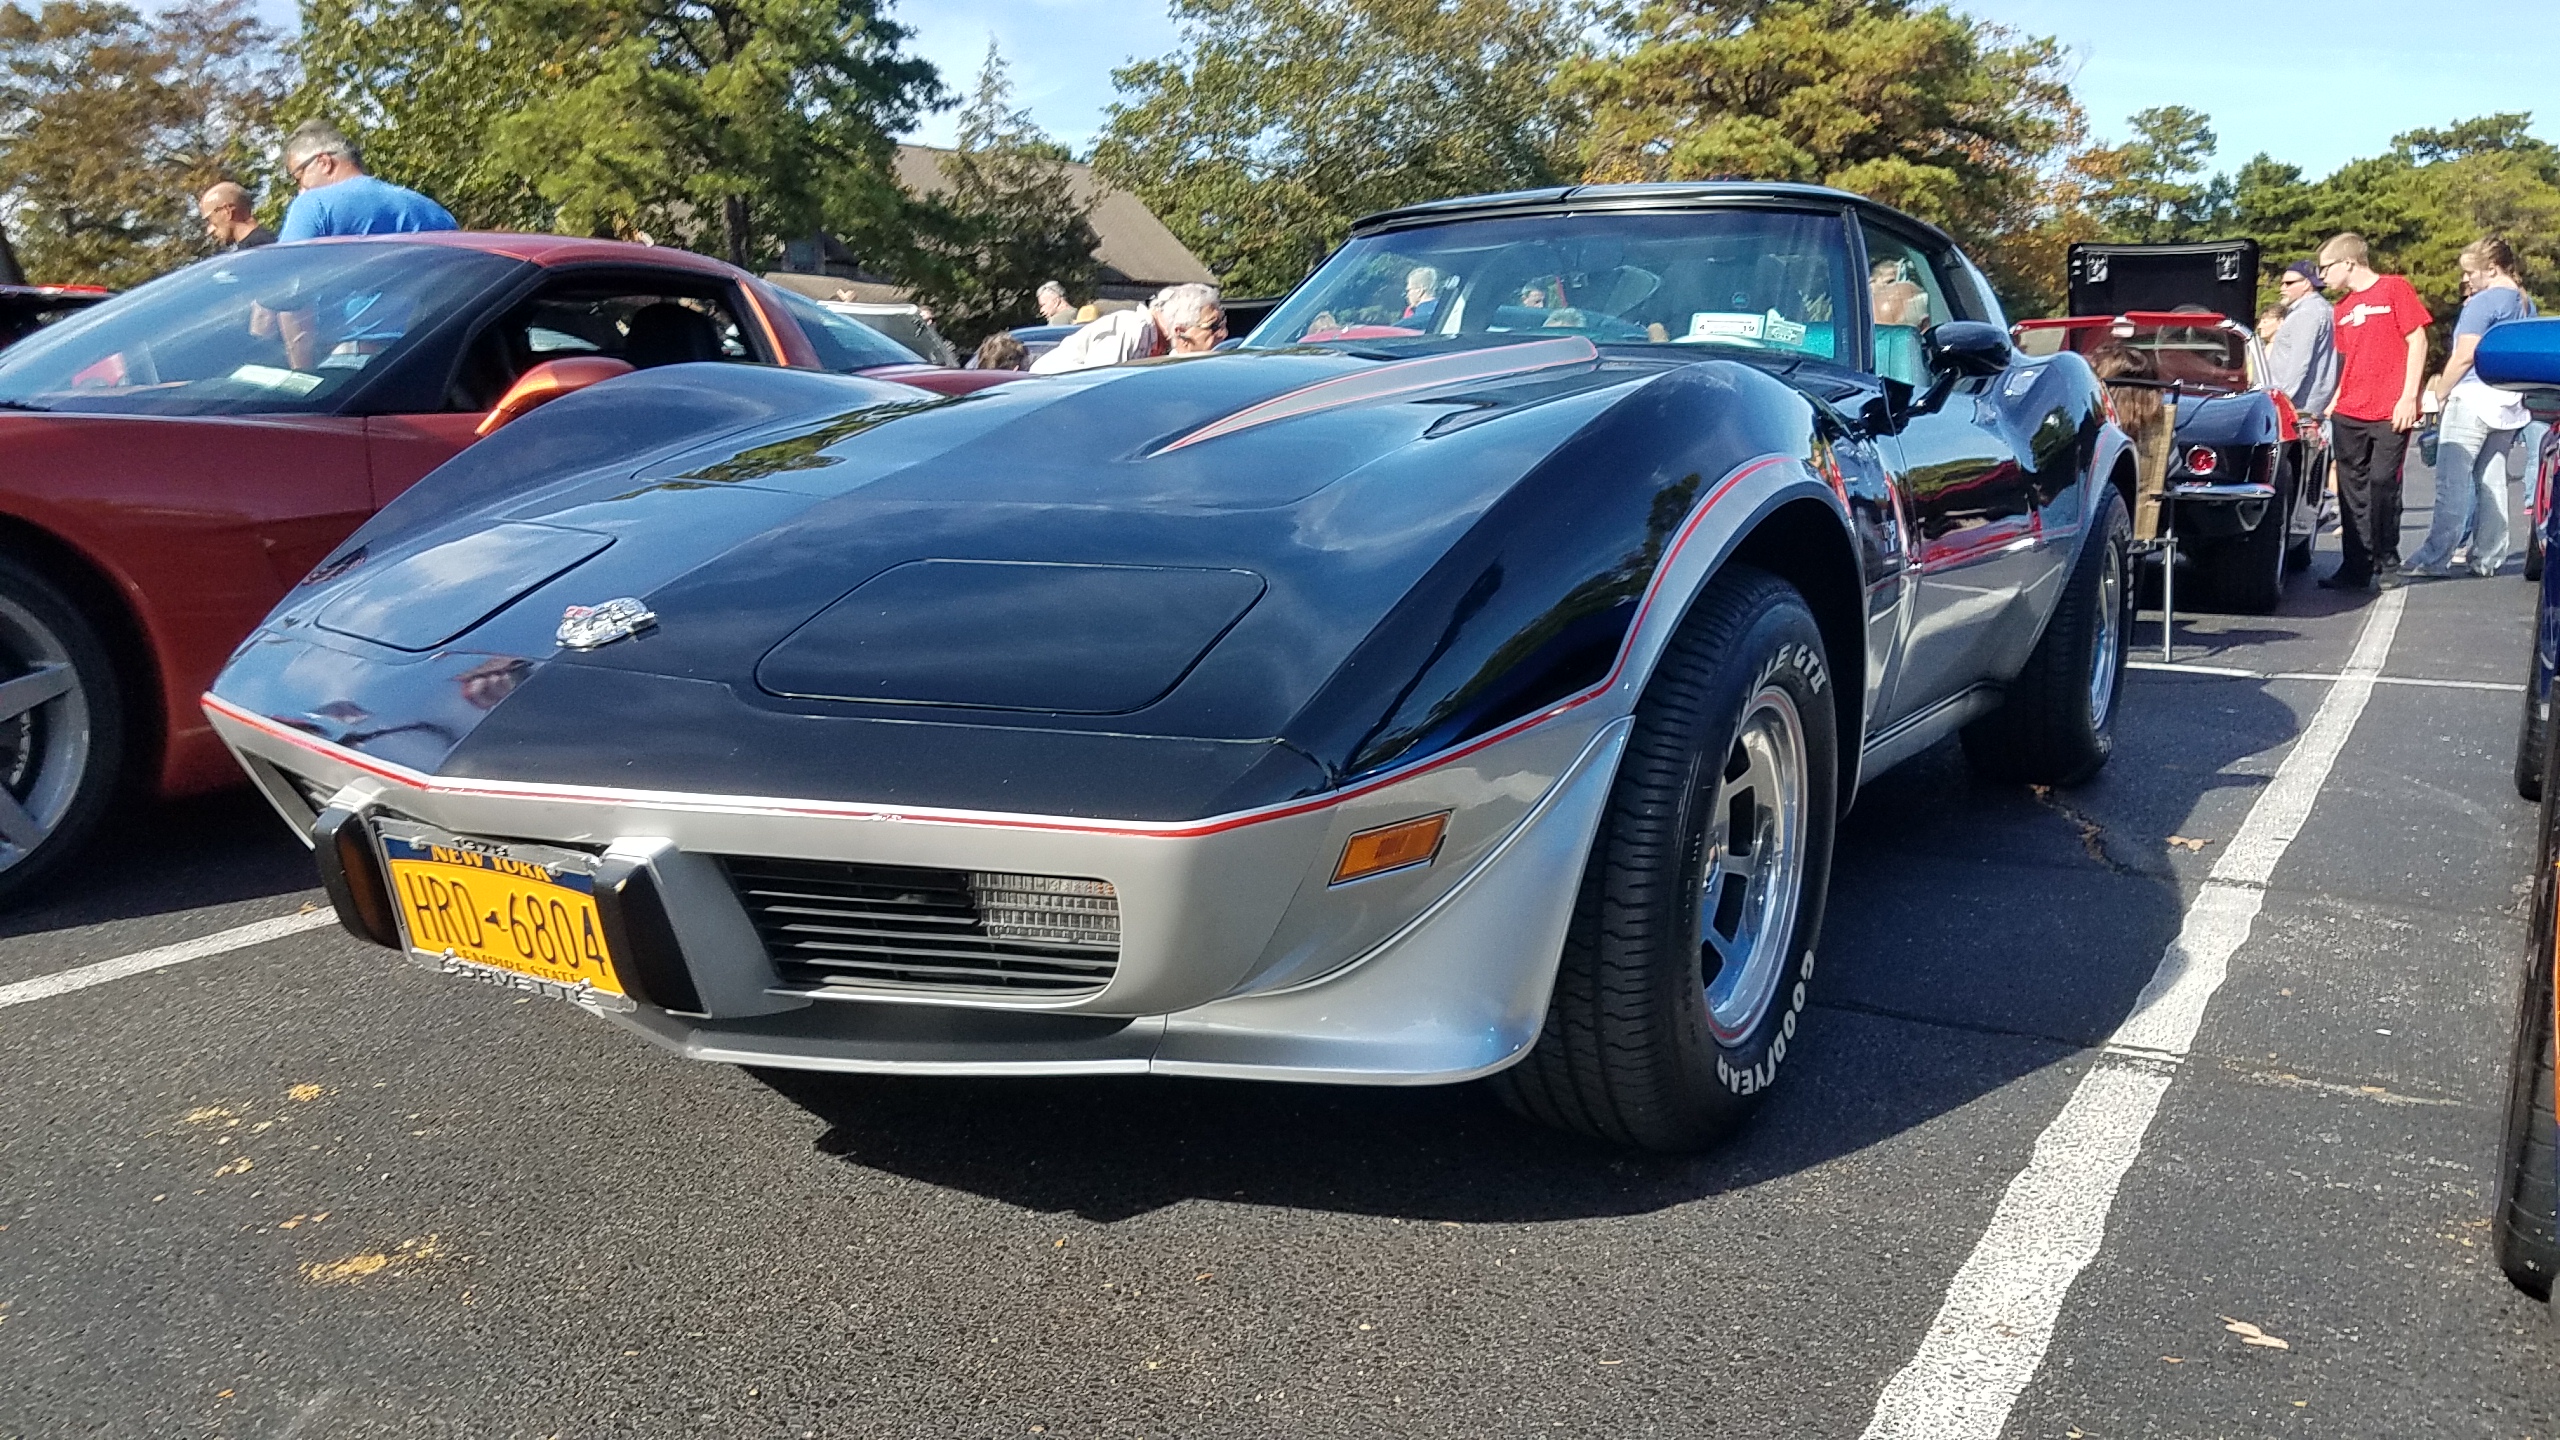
<point>44,733</point>
<point>2106,649</point>
<point>1753,872</point>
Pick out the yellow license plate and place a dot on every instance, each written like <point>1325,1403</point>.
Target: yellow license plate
<point>484,911</point>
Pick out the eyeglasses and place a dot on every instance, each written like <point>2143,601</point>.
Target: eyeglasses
<point>1210,327</point>
<point>295,171</point>
<point>2328,265</point>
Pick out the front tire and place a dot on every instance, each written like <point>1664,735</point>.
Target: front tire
<point>2057,724</point>
<point>1684,975</point>
<point>62,729</point>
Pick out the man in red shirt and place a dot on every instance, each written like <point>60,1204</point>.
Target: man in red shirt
<point>2382,360</point>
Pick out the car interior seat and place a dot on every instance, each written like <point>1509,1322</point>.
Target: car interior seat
<point>666,333</point>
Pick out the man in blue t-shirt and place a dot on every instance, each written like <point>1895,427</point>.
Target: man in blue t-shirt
<point>338,198</point>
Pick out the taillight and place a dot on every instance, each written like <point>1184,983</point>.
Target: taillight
<point>2201,460</point>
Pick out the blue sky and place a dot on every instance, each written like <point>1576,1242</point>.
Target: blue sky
<point>2312,84</point>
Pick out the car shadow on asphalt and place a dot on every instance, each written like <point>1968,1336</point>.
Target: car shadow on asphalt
<point>155,858</point>
<point>1978,933</point>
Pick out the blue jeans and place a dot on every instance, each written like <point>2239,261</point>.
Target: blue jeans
<point>2472,465</point>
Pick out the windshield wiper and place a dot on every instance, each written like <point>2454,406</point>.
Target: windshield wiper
<point>23,405</point>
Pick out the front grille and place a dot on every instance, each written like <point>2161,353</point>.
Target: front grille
<point>828,924</point>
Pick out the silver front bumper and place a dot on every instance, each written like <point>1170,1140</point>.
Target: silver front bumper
<point>1237,957</point>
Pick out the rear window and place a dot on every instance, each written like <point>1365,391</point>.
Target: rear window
<point>843,343</point>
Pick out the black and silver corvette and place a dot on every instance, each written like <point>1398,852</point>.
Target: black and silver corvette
<point>1430,688</point>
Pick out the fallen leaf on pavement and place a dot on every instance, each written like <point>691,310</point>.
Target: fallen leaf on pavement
<point>2251,1335</point>
<point>2182,842</point>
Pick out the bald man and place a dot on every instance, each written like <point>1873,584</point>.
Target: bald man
<point>229,220</point>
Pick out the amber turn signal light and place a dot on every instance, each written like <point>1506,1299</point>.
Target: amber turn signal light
<point>1391,847</point>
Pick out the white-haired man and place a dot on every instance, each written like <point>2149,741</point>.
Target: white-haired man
<point>338,198</point>
<point>1421,297</point>
<point>1054,307</point>
<point>1180,320</point>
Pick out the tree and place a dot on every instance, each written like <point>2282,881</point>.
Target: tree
<point>2154,187</point>
<point>1282,121</point>
<point>2417,205</point>
<point>421,86</point>
<point>1957,121</point>
<point>110,124</point>
<point>744,119</point>
<point>716,123</point>
<point>1006,221</point>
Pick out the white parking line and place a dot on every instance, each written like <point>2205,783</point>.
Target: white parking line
<point>2227,672</point>
<point>63,982</point>
<point>1991,1334</point>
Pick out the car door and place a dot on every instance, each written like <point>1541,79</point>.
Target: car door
<point>1976,538</point>
<point>643,318</point>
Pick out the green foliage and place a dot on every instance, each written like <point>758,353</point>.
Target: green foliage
<point>2417,205</point>
<point>723,124</point>
<point>748,120</point>
<point>1282,121</point>
<point>2155,188</point>
<point>1006,221</point>
<point>1950,118</point>
<point>421,85</point>
<point>111,124</point>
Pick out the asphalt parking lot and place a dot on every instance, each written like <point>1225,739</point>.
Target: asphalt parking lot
<point>298,1189</point>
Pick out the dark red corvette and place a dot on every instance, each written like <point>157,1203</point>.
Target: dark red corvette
<point>174,460</point>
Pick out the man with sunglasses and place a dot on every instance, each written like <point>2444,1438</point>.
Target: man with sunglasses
<point>2302,360</point>
<point>2382,360</point>
<point>338,198</point>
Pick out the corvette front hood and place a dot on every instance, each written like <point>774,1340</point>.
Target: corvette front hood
<point>1174,556</point>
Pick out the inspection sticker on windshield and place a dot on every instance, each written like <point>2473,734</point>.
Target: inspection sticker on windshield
<point>292,382</point>
<point>1771,328</point>
<point>1725,325</point>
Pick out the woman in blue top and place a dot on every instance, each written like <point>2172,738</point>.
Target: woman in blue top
<point>2477,448</point>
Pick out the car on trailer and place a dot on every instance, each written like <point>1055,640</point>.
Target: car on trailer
<point>2230,473</point>
<point>1471,693</point>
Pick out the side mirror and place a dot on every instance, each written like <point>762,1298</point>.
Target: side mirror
<point>547,382</point>
<point>1966,348</point>
<point>2520,355</point>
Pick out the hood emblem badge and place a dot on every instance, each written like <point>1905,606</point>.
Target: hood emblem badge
<point>584,627</point>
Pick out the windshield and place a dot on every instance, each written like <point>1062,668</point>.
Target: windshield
<point>2206,356</point>
<point>843,343</point>
<point>1756,279</point>
<point>284,329</point>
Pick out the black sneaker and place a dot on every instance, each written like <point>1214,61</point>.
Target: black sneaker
<point>2344,581</point>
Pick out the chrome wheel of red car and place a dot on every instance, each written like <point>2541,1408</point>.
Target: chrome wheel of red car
<point>61,730</point>
<point>44,729</point>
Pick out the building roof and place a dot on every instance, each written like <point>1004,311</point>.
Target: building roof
<point>1136,247</point>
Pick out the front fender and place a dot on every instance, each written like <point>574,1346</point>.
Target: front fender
<point>1565,590</point>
